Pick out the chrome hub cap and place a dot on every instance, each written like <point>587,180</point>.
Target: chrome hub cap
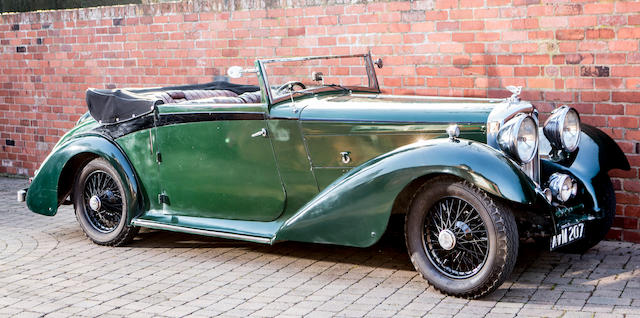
<point>447,239</point>
<point>94,203</point>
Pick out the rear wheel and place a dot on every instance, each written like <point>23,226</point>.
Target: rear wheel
<point>459,239</point>
<point>100,204</point>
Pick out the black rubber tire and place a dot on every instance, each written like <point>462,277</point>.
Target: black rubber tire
<point>502,234</point>
<point>123,233</point>
<point>597,231</point>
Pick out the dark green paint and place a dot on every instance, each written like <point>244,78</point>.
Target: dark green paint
<point>138,147</point>
<point>82,127</point>
<point>293,163</point>
<point>326,176</point>
<point>244,227</point>
<point>293,184</point>
<point>42,196</point>
<point>396,109</point>
<point>434,130</point>
<point>354,210</point>
<point>232,175</point>
<point>564,211</point>
<point>595,156</point>
<point>325,149</point>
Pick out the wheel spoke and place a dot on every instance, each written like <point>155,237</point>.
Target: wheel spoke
<point>449,214</point>
<point>475,217</point>
<point>105,188</point>
<point>455,219</point>
<point>462,222</point>
<point>472,241</point>
<point>436,224</point>
<point>470,252</point>
<point>443,219</point>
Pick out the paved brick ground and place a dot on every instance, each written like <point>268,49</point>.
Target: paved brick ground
<point>48,268</point>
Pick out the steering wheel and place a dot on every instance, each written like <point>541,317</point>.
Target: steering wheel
<point>289,86</point>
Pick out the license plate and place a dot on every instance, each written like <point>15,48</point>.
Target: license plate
<point>567,235</point>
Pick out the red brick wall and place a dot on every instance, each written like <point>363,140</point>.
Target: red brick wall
<point>584,53</point>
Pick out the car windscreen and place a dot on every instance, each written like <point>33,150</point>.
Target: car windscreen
<point>309,75</point>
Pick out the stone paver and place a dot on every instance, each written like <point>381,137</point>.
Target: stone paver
<point>49,269</point>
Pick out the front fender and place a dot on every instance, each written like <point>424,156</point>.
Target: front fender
<point>42,196</point>
<point>597,154</point>
<point>354,210</point>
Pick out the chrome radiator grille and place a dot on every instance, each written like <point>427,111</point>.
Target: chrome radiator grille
<point>532,169</point>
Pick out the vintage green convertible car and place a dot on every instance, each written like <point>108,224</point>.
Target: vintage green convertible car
<point>307,149</point>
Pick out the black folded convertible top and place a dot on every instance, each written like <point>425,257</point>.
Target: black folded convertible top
<point>109,106</point>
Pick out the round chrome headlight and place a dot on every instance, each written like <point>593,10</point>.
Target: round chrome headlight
<point>562,186</point>
<point>519,138</point>
<point>562,129</point>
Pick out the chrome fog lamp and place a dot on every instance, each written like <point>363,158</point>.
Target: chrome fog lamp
<point>562,186</point>
<point>519,138</point>
<point>563,128</point>
<point>548,194</point>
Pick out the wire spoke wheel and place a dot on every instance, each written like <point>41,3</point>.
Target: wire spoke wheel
<point>102,200</point>
<point>459,238</point>
<point>455,238</point>
<point>101,204</point>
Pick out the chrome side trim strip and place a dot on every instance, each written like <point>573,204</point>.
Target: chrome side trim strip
<point>176,228</point>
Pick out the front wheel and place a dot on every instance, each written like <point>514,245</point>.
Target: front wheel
<point>100,204</point>
<point>460,239</point>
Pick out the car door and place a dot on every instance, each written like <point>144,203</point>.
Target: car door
<point>218,164</point>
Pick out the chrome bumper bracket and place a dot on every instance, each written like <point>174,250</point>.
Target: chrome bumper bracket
<point>22,195</point>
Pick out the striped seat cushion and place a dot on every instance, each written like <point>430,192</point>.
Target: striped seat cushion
<point>170,97</point>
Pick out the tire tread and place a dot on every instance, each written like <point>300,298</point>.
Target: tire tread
<point>127,233</point>
<point>507,232</point>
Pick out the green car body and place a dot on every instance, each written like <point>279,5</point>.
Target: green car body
<point>330,163</point>
<point>331,167</point>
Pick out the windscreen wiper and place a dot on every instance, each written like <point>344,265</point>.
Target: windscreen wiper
<point>311,90</point>
<point>301,92</point>
<point>337,86</point>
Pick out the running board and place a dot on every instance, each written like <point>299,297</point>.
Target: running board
<point>177,228</point>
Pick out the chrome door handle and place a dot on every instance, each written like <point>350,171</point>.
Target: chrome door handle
<point>262,132</point>
<point>346,156</point>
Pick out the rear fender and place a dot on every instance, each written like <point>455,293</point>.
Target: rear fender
<point>354,210</point>
<point>43,196</point>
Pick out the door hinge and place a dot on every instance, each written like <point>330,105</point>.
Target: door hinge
<point>163,199</point>
<point>158,157</point>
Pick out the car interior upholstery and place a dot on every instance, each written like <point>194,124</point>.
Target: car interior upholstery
<point>110,106</point>
<point>217,96</point>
